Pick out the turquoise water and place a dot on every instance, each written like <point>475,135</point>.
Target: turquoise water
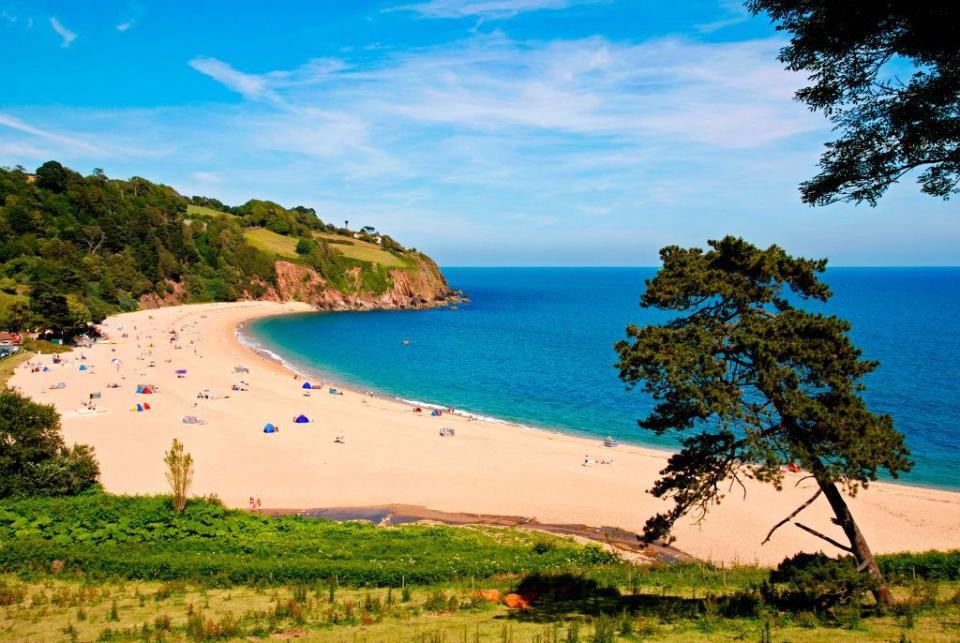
<point>535,347</point>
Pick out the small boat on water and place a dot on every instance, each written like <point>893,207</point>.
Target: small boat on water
<point>610,442</point>
<point>406,341</point>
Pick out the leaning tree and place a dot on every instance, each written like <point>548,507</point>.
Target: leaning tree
<point>762,382</point>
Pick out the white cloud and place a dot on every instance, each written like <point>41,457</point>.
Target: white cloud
<point>250,85</point>
<point>489,9</point>
<point>736,13</point>
<point>726,94</point>
<point>73,144</point>
<point>205,177</point>
<point>67,35</point>
<point>123,26</point>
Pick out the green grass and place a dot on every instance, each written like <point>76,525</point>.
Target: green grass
<point>55,607</point>
<point>270,241</point>
<point>201,210</point>
<point>9,364</point>
<point>362,250</point>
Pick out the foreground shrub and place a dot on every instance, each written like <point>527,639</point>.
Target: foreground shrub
<point>817,583</point>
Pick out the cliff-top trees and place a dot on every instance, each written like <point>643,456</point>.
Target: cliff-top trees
<point>887,73</point>
<point>763,383</point>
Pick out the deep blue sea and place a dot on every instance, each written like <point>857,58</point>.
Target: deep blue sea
<point>535,346</point>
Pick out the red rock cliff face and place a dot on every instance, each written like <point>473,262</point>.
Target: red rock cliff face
<point>424,287</point>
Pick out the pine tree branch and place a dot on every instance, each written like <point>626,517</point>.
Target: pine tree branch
<point>791,516</point>
<point>827,538</point>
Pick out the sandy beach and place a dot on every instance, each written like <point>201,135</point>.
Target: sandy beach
<point>393,455</point>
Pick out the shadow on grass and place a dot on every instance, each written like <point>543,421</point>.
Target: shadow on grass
<point>554,597</point>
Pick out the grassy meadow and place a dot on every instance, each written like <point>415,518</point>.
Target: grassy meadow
<point>194,210</point>
<point>270,241</point>
<point>361,250</point>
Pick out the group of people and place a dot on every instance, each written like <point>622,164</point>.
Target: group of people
<point>588,461</point>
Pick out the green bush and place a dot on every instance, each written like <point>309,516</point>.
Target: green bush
<point>817,583</point>
<point>34,461</point>
<point>929,565</point>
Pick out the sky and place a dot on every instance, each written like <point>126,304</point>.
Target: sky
<point>483,132</point>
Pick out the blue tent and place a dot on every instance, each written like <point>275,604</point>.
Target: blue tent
<point>301,419</point>
<point>83,367</point>
<point>269,428</point>
<point>306,385</point>
<point>333,391</point>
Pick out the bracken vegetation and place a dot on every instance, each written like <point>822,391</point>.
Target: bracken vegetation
<point>114,568</point>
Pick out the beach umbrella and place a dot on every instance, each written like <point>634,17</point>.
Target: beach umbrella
<point>302,419</point>
<point>306,385</point>
<point>269,428</point>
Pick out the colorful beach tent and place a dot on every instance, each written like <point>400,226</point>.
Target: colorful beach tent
<point>145,390</point>
<point>306,385</point>
<point>269,428</point>
<point>301,419</point>
<point>435,413</point>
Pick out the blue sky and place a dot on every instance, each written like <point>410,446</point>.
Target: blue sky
<point>485,132</point>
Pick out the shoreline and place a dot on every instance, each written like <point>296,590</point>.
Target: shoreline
<point>285,365</point>
<point>393,456</point>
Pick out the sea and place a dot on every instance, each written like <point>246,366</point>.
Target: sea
<point>534,347</point>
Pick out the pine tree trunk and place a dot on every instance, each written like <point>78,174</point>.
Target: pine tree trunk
<point>858,544</point>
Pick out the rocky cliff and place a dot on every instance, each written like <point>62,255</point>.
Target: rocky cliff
<point>419,286</point>
<point>422,286</point>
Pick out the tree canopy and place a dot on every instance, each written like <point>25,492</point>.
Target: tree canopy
<point>887,74</point>
<point>74,249</point>
<point>34,461</point>
<point>762,382</point>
